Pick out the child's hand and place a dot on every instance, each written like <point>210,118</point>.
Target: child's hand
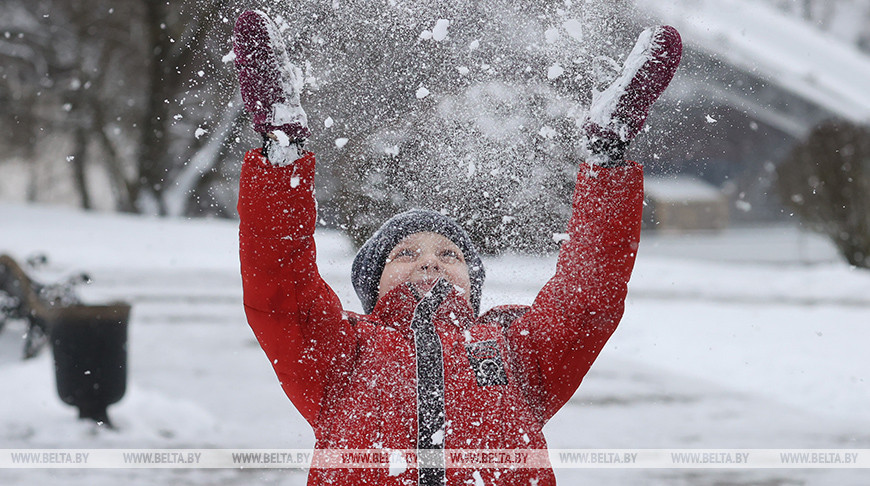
<point>270,86</point>
<point>619,111</point>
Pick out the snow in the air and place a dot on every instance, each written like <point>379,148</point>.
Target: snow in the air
<point>574,29</point>
<point>551,35</point>
<point>555,71</point>
<point>439,32</point>
<point>752,337</point>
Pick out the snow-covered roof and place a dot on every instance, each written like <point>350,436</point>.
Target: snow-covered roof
<point>785,51</point>
<point>680,188</point>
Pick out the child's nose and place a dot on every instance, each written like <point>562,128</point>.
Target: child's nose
<point>429,262</point>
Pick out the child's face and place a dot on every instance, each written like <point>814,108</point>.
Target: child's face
<point>421,259</point>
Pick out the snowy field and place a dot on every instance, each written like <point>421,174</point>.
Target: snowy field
<point>751,338</point>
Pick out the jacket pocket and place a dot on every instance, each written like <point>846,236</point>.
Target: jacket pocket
<point>487,363</point>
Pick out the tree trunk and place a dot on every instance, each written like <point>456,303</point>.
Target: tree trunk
<point>152,168</point>
<point>79,159</point>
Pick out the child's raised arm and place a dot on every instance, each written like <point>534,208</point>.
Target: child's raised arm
<point>576,312</point>
<point>296,317</point>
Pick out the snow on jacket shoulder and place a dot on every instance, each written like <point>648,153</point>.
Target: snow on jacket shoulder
<point>423,372</point>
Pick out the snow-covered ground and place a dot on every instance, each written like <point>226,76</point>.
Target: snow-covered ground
<point>750,338</point>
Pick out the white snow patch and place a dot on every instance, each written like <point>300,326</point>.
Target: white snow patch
<point>574,28</point>
<point>392,150</point>
<point>328,122</point>
<point>478,479</point>
<point>438,436</point>
<point>398,463</point>
<point>710,119</point>
<point>547,132</point>
<point>199,132</point>
<point>680,188</point>
<point>340,142</point>
<point>551,35</point>
<point>604,102</point>
<point>439,32</point>
<point>555,71</point>
<point>283,138</point>
<point>422,92</point>
<point>292,113</point>
<point>463,70</point>
<point>282,153</point>
<point>474,44</point>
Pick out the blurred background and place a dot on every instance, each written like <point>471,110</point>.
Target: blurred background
<point>134,107</point>
<point>122,134</point>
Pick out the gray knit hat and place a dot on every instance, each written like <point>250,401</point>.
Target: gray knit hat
<point>371,258</point>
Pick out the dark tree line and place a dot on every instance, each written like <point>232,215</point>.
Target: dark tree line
<point>826,181</point>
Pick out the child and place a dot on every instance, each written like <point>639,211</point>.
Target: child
<point>421,369</point>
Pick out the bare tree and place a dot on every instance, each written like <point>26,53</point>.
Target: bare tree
<point>137,88</point>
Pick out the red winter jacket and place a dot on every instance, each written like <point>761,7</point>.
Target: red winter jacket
<point>430,374</point>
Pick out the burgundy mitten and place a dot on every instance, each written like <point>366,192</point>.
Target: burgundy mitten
<point>269,82</point>
<point>618,113</point>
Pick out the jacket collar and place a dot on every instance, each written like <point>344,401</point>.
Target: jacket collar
<point>396,308</point>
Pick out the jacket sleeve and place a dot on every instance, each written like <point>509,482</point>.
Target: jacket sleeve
<point>573,316</point>
<point>295,315</point>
